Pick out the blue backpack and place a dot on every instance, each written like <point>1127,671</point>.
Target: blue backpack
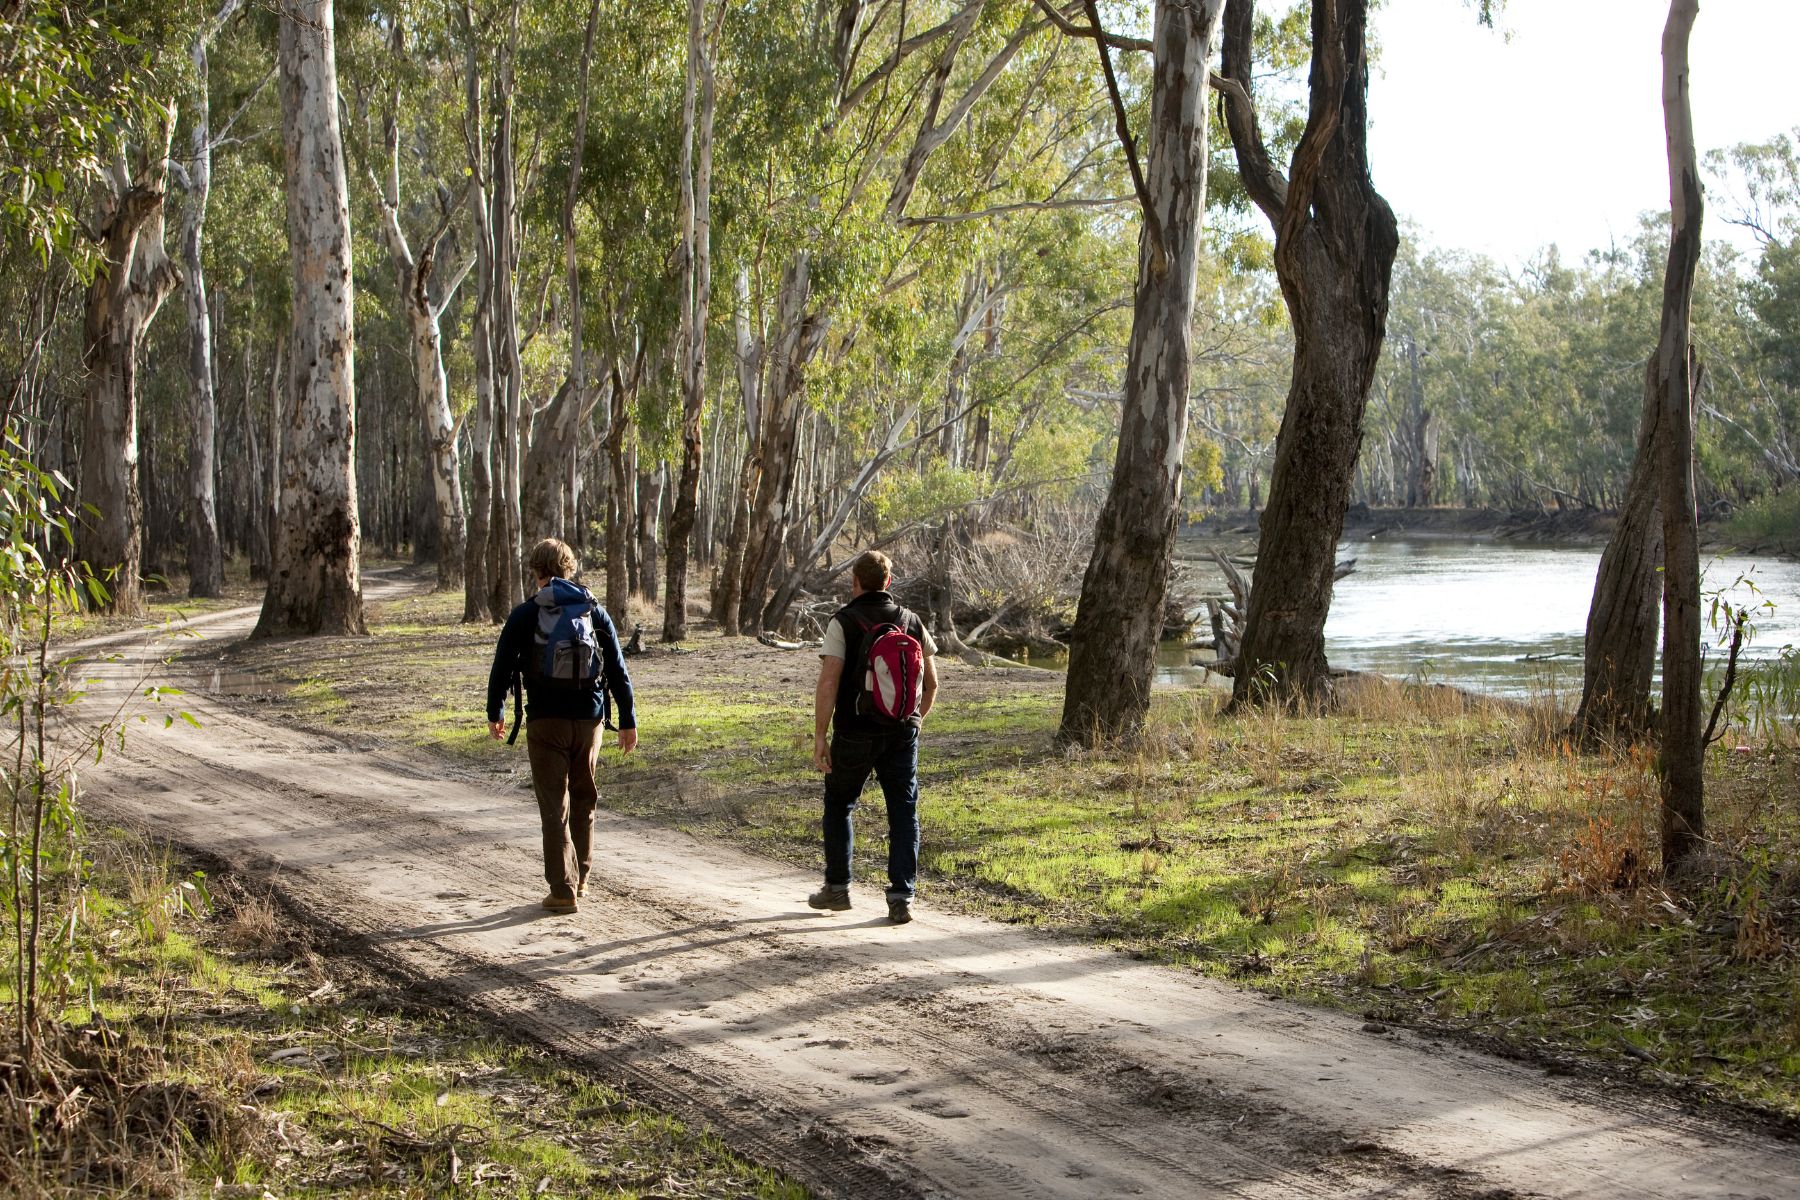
<point>565,648</point>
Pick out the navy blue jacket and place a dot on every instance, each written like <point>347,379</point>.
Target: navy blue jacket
<point>516,641</point>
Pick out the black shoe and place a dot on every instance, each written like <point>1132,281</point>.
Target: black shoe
<point>831,899</point>
<point>899,910</point>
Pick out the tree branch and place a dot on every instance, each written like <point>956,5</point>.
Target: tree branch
<point>1262,179</point>
<point>1325,107</point>
<point>1152,223</point>
<point>902,50</point>
<point>1023,206</point>
<point>1092,32</point>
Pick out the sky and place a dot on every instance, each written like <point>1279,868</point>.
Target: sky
<point>1504,145</point>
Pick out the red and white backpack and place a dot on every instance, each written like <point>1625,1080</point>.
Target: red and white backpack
<point>893,666</point>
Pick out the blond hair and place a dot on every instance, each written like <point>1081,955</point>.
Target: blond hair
<point>872,570</point>
<point>552,559</point>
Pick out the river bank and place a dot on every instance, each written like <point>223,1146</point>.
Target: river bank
<point>1567,527</point>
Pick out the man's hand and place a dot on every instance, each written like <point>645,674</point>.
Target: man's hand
<point>822,755</point>
<point>497,730</point>
<point>627,740</point>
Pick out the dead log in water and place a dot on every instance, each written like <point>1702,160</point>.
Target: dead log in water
<point>1226,614</point>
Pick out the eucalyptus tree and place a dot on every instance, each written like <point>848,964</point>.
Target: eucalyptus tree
<point>1335,241</point>
<point>1112,647</point>
<point>478,573</point>
<point>134,276</point>
<point>548,505</point>
<point>505,550</point>
<point>205,563</point>
<point>698,106</point>
<point>1673,369</point>
<point>427,287</point>
<point>881,98</point>
<point>314,578</point>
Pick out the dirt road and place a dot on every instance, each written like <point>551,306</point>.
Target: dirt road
<point>950,1057</point>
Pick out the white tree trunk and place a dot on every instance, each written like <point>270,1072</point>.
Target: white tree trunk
<point>314,582</point>
<point>424,312</point>
<point>205,562</point>
<point>1120,615</point>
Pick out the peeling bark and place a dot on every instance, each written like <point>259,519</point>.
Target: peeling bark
<point>314,581</point>
<point>1112,650</point>
<point>134,278</point>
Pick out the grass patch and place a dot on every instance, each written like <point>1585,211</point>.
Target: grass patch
<point>223,1057</point>
<point>1411,856</point>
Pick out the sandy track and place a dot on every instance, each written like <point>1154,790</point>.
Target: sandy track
<point>953,1056</point>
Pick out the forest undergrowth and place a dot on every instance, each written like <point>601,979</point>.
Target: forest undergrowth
<point>221,1054</point>
<point>1414,856</point>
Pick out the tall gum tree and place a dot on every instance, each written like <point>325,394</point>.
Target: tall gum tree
<point>1683,747</point>
<point>205,562</point>
<point>425,293</point>
<point>506,558</point>
<point>314,582</point>
<point>1112,648</point>
<point>549,505</point>
<point>1335,242</point>
<point>1619,654</point>
<point>696,304</point>
<point>477,557</point>
<point>134,277</point>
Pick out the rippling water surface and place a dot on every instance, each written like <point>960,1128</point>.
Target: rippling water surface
<point>1468,612</point>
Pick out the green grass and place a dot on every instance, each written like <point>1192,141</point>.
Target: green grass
<point>1406,858</point>
<point>304,1077</point>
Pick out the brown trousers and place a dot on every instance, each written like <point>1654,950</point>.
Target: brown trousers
<point>562,753</point>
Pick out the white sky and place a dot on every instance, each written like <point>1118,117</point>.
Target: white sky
<point>1556,136</point>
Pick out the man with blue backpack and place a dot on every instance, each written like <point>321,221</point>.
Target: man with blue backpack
<point>561,645</point>
<point>877,681</point>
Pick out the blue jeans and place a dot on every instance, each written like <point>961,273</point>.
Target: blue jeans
<point>894,757</point>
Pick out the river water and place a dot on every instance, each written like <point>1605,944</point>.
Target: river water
<point>1467,612</point>
<point>1506,618</point>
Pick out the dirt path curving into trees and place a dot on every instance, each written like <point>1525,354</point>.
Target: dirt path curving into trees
<point>951,1057</point>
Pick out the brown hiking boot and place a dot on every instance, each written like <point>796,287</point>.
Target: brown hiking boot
<point>559,904</point>
<point>581,887</point>
<point>830,898</point>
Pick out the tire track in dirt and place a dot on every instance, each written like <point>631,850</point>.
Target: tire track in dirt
<point>953,1056</point>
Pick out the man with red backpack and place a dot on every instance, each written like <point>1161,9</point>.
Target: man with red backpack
<point>877,681</point>
<point>561,645</point>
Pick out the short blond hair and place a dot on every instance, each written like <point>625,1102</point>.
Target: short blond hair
<point>552,559</point>
<point>872,570</point>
